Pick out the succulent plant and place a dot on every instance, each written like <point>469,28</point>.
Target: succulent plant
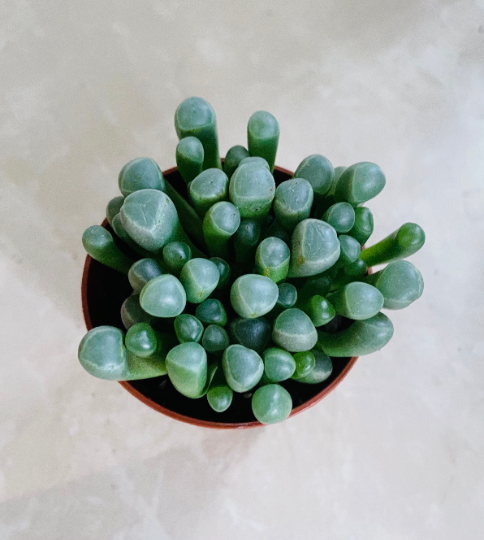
<point>242,286</point>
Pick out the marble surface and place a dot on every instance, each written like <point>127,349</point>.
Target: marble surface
<point>396,452</point>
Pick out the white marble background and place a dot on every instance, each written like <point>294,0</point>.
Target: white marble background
<point>396,452</point>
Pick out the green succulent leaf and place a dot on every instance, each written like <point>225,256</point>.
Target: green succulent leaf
<point>252,295</point>
<point>294,331</point>
<point>188,328</point>
<point>234,156</point>
<point>318,309</point>
<point>246,240</point>
<point>405,241</point>
<point>255,159</point>
<point>272,259</point>
<point>211,311</point>
<point>252,189</point>
<point>360,183</point>
<point>143,271</point>
<point>220,394</point>
<point>163,296</point>
<point>318,171</point>
<point>102,353</point>
<point>357,301</point>
<point>279,365</point>
<point>293,202</point>
<point>400,283</point>
<point>215,339</point>
<point>223,270</point>
<point>199,278</point>
<point>187,369</point>
<point>263,136</point>
<point>208,188</point>
<point>251,333</point>
<point>362,337</point>
<point>315,248</point>
<point>242,367</point>
<point>175,255</point>
<point>141,340</point>
<point>195,117</point>
<point>305,363</point>
<point>99,244</point>
<point>219,224</point>
<point>363,227</point>
<point>322,370</point>
<point>151,220</point>
<point>140,173</point>
<point>113,208</point>
<point>341,216</point>
<point>271,404</point>
<point>189,158</point>
<point>132,312</point>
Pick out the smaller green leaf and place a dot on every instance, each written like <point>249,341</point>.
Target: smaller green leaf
<point>271,403</point>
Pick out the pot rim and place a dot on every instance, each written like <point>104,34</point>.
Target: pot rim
<point>188,419</point>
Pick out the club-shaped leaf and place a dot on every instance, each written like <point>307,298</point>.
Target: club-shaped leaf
<point>143,271</point>
<point>234,156</point>
<point>208,188</point>
<point>151,220</point>
<point>113,208</point>
<point>215,339</point>
<point>279,365</point>
<point>187,369</point>
<point>211,311</point>
<point>163,296</point>
<point>294,331</point>
<point>400,283</point>
<point>132,312</point>
<point>263,136</point>
<point>360,183</point>
<point>341,216</point>
<point>271,404</point>
<point>322,369</point>
<point>140,173</point>
<point>195,117</point>
<point>318,171</point>
<point>189,158</point>
<point>102,353</point>
<point>315,248</point>
<point>363,227</point>
<point>293,202</point>
<point>272,259</point>
<point>220,394</point>
<point>175,255</point>
<point>252,295</point>
<point>405,241</point>
<point>242,367</point>
<point>99,243</point>
<point>188,328</point>
<point>362,337</point>
<point>251,333</point>
<point>199,278</point>
<point>357,301</point>
<point>252,189</point>
<point>141,340</point>
<point>219,224</point>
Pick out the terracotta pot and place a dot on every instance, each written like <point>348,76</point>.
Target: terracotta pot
<point>103,292</point>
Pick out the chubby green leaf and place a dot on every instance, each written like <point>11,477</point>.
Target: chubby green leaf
<point>242,367</point>
<point>140,173</point>
<point>362,337</point>
<point>187,369</point>
<point>271,404</point>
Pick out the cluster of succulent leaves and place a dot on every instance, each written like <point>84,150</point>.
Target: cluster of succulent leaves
<point>243,284</point>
